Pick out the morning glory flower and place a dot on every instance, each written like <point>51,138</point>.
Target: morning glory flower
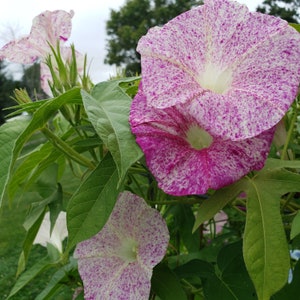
<point>236,71</point>
<point>187,158</point>
<point>47,28</point>
<point>56,236</point>
<point>117,263</point>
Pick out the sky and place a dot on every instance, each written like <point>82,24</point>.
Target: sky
<point>88,26</point>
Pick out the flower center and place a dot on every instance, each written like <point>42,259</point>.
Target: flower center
<point>128,250</point>
<point>198,138</point>
<point>215,79</point>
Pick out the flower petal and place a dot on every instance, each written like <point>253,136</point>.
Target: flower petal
<point>219,55</point>
<point>58,234</point>
<point>51,26</point>
<point>20,51</point>
<point>103,244</point>
<point>179,168</point>
<point>103,266</point>
<point>133,218</point>
<point>110,278</point>
<point>46,27</point>
<point>153,238</point>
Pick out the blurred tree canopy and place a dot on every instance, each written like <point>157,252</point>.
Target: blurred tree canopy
<point>7,85</point>
<point>126,26</point>
<point>285,9</point>
<point>29,81</point>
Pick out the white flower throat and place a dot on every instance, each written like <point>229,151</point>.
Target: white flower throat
<point>214,79</point>
<point>128,250</point>
<point>198,138</point>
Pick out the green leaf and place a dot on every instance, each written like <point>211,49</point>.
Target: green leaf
<point>234,274</point>
<point>9,133</point>
<point>29,275</point>
<point>183,219</point>
<point>30,236</point>
<point>273,163</point>
<point>36,215</point>
<point>227,280</point>
<point>24,170</point>
<point>208,208</point>
<point>296,26</point>
<point>13,139</point>
<point>291,290</point>
<point>265,247</point>
<point>108,110</point>
<point>165,284</point>
<point>44,113</point>
<point>56,280</point>
<point>295,230</point>
<point>195,267</point>
<point>91,205</point>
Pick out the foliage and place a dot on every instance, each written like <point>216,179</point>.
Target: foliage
<point>126,26</point>
<point>285,9</point>
<point>270,197</point>
<point>75,152</point>
<point>7,85</point>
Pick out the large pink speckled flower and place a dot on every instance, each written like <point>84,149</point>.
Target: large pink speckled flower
<point>184,156</point>
<point>116,264</point>
<point>236,71</point>
<point>47,28</point>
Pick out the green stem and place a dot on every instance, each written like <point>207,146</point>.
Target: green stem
<point>66,149</point>
<point>289,136</point>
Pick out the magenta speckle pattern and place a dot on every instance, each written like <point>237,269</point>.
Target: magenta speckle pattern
<point>105,273</point>
<point>49,26</point>
<point>261,53</point>
<point>179,168</point>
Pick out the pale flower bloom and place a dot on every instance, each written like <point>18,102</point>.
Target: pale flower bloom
<point>58,234</point>
<point>49,27</point>
<point>215,82</point>
<point>117,263</point>
<point>237,72</point>
<point>186,158</point>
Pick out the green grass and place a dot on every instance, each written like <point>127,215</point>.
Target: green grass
<point>12,235</point>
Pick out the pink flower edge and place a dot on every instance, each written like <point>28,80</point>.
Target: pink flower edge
<point>181,169</point>
<point>239,70</point>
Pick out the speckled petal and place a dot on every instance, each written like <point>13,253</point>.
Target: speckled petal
<point>153,238</point>
<point>105,243</point>
<point>132,283</point>
<point>103,262</point>
<point>243,65</point>
<point>46,27</point>
<point>110,278</point>
<point>125,218</point>
<point>51,26</point>
<point>181,169</point>
<point>20,51</point>
<point>132,217</point>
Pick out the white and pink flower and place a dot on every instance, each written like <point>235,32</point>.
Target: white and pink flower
<point>48,28</point>
<point>117,262</point>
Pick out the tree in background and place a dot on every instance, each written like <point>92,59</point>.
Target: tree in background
<point>7,85</point>
<point>127,25</point>
<point>29,81</point>
<point>285,9</point>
